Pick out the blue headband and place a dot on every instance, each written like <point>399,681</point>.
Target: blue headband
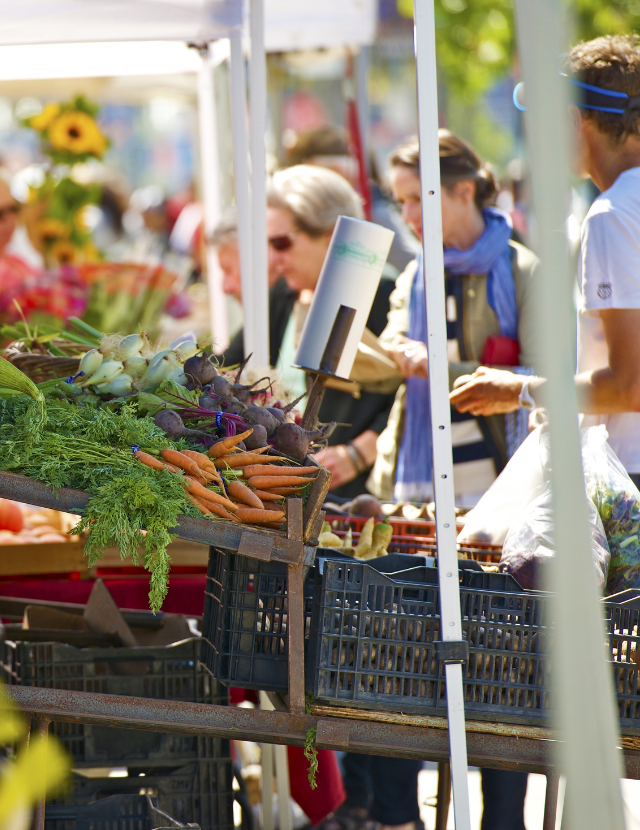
<point>592,98</point>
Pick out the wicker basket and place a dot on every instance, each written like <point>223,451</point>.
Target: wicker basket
<point>41,367</point>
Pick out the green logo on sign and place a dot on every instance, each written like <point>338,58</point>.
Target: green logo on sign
<point>356,253</point>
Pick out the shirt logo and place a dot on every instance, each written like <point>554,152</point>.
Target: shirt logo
<point>604,290</point>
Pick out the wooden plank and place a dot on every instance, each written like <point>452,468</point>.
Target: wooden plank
<point>295,610</point>
<point>183,553</point>
<point>53,558</point>
<point>319,491</point>
<point>428,721</point>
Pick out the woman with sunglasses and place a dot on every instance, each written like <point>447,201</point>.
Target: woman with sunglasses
<point>304,203</point>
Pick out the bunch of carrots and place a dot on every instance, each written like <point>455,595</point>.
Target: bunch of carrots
<point>259,499</point>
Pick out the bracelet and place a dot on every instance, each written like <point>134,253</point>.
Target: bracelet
<point>357,458</point>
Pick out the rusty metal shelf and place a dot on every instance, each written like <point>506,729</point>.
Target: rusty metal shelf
<point>272,544</point>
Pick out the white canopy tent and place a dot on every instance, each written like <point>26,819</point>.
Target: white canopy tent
<point>47,39</point>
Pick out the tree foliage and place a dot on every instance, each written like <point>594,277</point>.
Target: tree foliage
<point>475,39</point>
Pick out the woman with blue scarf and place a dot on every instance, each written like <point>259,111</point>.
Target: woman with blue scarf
<point>488,279</point>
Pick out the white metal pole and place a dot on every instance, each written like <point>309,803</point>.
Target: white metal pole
<point>237,84</point>
<point>451,624</point>
<point>362,63</point>
<point>587,720</point>
<point>258,123</point>
<point>211,197</point>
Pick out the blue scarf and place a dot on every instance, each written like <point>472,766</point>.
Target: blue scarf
<point>489,255</point>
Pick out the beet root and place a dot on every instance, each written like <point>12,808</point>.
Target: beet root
<point>212,404</point>
<point>222,387</point>
<point>257,439</point>
<point>173,427</point>
<point>200,370</point>
<point>259,415</point>
<point>294,441</point>
<point>277,413</point>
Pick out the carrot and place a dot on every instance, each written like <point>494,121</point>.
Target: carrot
<point>271,470</point>
<point>265,495</point>
<point>242,493</point>
<point>218,510</point>
<point>286,491</point>
<point>251,515</point>
<point>203,461</point>
<point>180,460</point>
<point>149,460</point>
<point>172,468</point>
<point>225,446</point>
<point>196,489</point>
<point>194,501</point>
<point>242,459</point>
<point>268,482</point>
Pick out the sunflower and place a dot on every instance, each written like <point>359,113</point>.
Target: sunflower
<point>76,132</point>
<point>44,118</point>
<point>49,230</point>
<point>64,252</point>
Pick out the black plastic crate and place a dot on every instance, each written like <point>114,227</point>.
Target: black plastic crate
<point>199,793</point>
<point>373,643</point>
<point>117,812</point>
<point>165,672</point>
<point>245,616</point>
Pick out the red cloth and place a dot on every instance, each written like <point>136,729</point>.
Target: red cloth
<point>186,596</point>
<point>329,794</point>
<point>186,593</point>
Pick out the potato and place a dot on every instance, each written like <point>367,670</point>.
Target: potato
<point>50,538</point>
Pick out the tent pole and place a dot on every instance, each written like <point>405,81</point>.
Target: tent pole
<point>588,722</point>
<point>451,623</point>
<point>211,196</point>
<point>238,89</point>
<point>258,123</point>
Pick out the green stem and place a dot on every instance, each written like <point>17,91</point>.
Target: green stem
<point>311,754</point>
<point>86,328</point>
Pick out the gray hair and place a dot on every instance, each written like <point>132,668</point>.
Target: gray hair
<point>315,196</point>
<point>226,230</point>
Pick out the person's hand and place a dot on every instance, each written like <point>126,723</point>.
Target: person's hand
<point>487,392</point>
<point>339,463</point>
<point>410,357</point>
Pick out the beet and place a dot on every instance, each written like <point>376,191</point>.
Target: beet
<point>173,426</point>
<point>259,415</point>
<point>200,370</point>
<point>365,505</point>
<point>244,396</point>
<point>257,439</point>
<point>212,404</point>
<point>232,406</point>
<point>221,386</point>
<point>294,441</point>
<point>277,413</point>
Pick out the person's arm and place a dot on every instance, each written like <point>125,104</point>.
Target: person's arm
<point>615,388</point>
<point>344,463</point>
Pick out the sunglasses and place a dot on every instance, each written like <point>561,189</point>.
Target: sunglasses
<point>7,211</point>
<point>283,242</point>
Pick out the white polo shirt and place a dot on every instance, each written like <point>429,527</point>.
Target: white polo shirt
<point>609,277</point>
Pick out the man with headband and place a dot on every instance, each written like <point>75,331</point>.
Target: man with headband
<point>604,76</point>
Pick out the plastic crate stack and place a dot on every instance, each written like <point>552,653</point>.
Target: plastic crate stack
<point>191,776</point>
<point>370,637</point>
<point>413,536</point>
<point>133,812</point>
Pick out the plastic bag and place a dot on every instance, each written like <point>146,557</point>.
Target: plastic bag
<point>518,484</point>
<point>529,542</point>
<point>617,500</point>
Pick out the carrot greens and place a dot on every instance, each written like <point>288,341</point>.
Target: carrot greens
<point>90,449</point>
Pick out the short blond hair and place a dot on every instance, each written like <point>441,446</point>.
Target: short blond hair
<point>315,196</point>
